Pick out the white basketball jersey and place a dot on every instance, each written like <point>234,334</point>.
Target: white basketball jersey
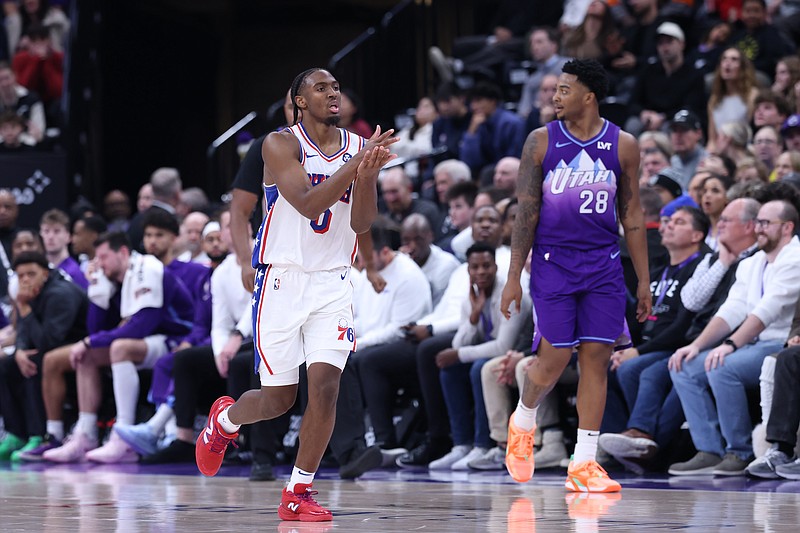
<point>287,238</point>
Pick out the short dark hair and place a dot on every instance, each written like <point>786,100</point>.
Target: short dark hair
<point>767,96</point>
<point>158,218</point>
<point>552,33</point>
<point>25,258</point>
<point>700,221</point>
<point>115,240</point>
<point>479,248</point>
<point>512,202</point>
<point>94,223</point>
<point>651,202</point>
<point>591,74</point>
<point>488,90</point>
<point>446,91</point>
<point>467,189</point>
<point>385,233</point>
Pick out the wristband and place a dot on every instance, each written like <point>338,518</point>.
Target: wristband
<point>730,343</point>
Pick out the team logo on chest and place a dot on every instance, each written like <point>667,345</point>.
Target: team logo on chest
<point>346,157</point>
<point>582,171</point>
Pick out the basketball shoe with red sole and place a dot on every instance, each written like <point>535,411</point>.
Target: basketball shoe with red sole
<point>213,440</point>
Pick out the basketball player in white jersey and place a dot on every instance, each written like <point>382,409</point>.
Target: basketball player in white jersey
<point>320,182</point>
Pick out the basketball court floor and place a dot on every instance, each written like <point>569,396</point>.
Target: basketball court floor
<point>121,498</point>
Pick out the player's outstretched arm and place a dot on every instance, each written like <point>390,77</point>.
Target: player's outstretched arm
<point>365,188</point>
<point>529,195</point>
<point>632,219</point>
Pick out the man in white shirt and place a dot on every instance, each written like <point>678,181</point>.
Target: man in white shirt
<point>437,265</point>
<point>753,322</point>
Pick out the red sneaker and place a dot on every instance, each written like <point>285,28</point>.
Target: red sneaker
<point>210,448</point>
<point>302,507</point>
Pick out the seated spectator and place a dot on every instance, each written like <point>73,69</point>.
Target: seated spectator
<point>505,175</point>
<point>189,245</point>
<point>654,160</point>
<point>753,322</point>
<point>50,312</point>
<point>40,67</point>
<point>790,132</point>
<point>493,132</point>
<point>786,163</point>
<point>165,187</point>
<point>399,201</point>
<point>50,15</point>
<point>445,175</point>
<point>454,118</point>
<point>117,210</point>
<point>713,201</point>
<point>770,109</point>
<point>157,312</point>
<point>749,169</point>
<point>488,196</point>
<point>764,43</point>
<point>586,41</point>
<point>787,76</point>
<point>461,201</point>
<point>733,141</point>
<point>14,97</point>
<point>733,91</point>
<point>543,110</point>
<point>416,237</point>
<point>55,233</point>
<point>686,134</point>
<point>543,42</point>
<point>12,134</point>
<point>416,141</point>
<point>192,200</point>
<point>666,183</point>
<point>651,106</point>
<point>85,232</point>
<point>144,198</point>
<point>484,331</point>
<point>706,56</point>
<point>351,114</point>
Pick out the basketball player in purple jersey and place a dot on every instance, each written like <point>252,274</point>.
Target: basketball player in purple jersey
<point>320,182</point>
<point>577,180</point>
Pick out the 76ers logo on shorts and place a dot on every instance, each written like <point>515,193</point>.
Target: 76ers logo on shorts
<point>345,330</point>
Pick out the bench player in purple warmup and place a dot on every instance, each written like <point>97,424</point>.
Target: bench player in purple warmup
<point>320,182</point>
<point>577,180</point>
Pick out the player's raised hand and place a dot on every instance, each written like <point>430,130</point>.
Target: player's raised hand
<point>373,161</point>
<point>512,292</point>
<point>380,139</point>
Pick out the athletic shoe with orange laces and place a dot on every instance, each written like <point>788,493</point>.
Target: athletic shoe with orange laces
<point>590,506</point>
<point>519,452</point>
<point>302,506</point>
<point>213,440</point>
<point>589,476</point>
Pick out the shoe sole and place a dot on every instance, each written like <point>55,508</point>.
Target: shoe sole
<point>573,487</point>
<point>622,446</point>
<point>699,472</point>
<point>762,475</point>
<point>135,446</point>
<point>289,516</point>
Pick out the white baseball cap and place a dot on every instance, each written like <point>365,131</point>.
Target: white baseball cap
<point>671,29</point>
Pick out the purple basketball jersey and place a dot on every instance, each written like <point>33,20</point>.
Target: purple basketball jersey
<point>579,192</point>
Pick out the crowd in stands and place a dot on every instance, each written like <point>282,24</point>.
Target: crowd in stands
<point>711,92</point>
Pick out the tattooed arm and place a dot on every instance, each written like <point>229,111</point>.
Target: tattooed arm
<point>529,195</point>
<point>632,218</point>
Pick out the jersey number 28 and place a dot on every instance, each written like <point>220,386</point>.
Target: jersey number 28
<point>593,203</point>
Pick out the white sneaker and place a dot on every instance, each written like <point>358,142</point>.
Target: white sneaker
<point>474,454</point>
<point>73,451</point>
<point>552,452</point>
<point>115,450</point>
<point>446,462</point>
<point>494,459</point>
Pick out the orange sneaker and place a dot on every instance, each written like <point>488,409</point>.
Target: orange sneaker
<point>589,476</point>
<point>590,506</point>
<point>519,452</point>
<point>522,516</point>
<point>213,440</point>
<point>302,507</point>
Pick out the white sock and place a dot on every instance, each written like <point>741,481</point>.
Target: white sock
<point>586,447</point>
<point>171,427</point>
<point>56,429</point>
<point>87,424</point>
<point>300,477</point>
<point>226,423</point>
<point>525,417</point>
<point>159,420</point>
<point>126,391</point>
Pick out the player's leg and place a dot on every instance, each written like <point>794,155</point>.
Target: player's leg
<point>90,390</point>
<point>55,365</point>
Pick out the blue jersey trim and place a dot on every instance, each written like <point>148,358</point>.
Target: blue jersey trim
<point>583,144</point>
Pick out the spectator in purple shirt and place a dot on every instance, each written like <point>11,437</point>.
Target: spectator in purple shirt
<point>54,229</point>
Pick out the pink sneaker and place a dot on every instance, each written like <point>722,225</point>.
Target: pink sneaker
<point>115,450</point>
<point>73,451</point>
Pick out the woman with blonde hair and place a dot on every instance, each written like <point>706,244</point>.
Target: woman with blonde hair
<point>733,139</point>
<point>787,80</point>
<point>787,162</point>
<point>750,169</point>
<point>733,91</point>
